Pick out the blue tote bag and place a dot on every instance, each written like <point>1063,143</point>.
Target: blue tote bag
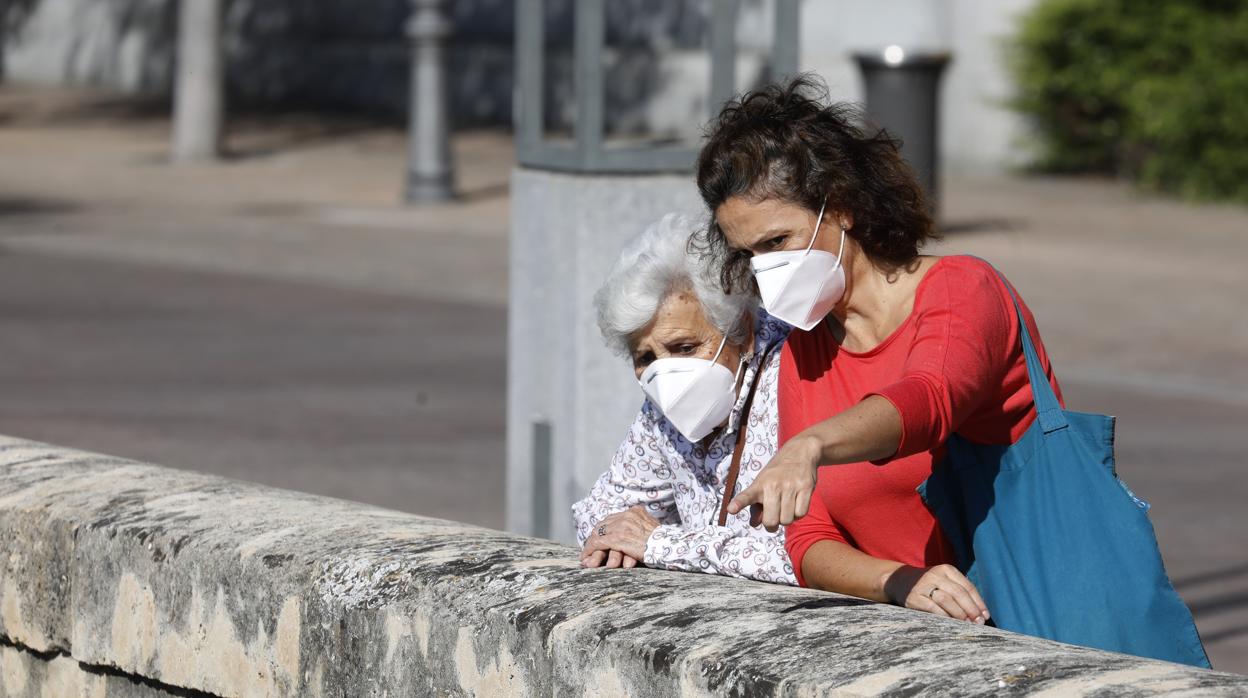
<point>1054,541</point>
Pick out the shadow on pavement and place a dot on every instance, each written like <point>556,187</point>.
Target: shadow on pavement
<point>1184,583</point>
<point>1225,634</point>
<point>981,225</point>
<point>28,206</point>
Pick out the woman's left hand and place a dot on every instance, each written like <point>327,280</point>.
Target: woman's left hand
<point>619,540</point>
<point>941,590</point>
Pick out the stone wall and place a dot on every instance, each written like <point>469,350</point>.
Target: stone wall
<point>124,579</point>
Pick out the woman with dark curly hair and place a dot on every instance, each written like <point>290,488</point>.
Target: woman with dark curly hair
<point>893,351</point>
<point>933,368</point>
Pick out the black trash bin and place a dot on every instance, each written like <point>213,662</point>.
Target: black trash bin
<point>902,96</point>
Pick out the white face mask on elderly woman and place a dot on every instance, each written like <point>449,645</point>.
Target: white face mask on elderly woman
<point>801,286</point>
<point>696,395</point>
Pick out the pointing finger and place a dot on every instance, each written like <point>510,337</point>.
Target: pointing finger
<point>743,499</point>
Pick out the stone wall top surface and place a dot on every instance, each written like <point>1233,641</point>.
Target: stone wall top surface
<point>206,584</point>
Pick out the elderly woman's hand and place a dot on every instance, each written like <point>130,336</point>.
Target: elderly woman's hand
<point>619,540</point>
<point>783,488</point>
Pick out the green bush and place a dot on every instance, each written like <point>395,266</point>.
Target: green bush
<point>1154,90</point>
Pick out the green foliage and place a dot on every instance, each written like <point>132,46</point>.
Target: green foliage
<point>1155,90</point>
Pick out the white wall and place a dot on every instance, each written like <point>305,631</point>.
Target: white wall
<point>76,42</point>
<point>977,131</point>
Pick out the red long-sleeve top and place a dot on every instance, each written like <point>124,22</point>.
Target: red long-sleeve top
<point>954,365</point>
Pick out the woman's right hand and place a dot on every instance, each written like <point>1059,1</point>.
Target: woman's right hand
<point>781,492</point>
<point>941,590</point>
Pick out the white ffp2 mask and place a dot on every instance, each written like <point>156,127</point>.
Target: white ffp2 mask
<point>801,286</point>
<point>695,395</point>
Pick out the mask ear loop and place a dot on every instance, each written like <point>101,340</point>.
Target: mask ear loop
<point>840,254</point>
<point>818,222</point>
<point>736,377</point>
<point>723,342</point>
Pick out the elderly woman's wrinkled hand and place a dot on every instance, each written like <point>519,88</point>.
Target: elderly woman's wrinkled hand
<point>619,540</point>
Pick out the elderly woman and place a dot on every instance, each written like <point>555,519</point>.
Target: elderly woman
<point>707,363</point>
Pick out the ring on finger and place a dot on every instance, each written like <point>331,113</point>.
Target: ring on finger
<point>931,591</point>
<point>602,530</point>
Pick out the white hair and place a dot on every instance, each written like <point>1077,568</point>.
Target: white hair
<point>651,266</point>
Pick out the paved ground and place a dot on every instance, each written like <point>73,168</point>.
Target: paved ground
<point>277,318</point>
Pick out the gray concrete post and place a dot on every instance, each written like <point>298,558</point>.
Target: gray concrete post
<point>430,175</point>
<point>4,30</point>
<point>570,401</point>
<point>199,92</point>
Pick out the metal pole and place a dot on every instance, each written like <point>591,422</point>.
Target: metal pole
<point>4,30</point>
<point>199,99</point>
<point>430,171</point>
<point>529,87</point>
<point>723,53</point>
<point>590,32</point>
<point>786,52</point>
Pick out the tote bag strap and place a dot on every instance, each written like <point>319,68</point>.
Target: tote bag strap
<point>1048,409</point>
<point>734,469</point>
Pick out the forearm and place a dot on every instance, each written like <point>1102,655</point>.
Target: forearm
<point>588,512</point>
<point>870,430</point>
<point>834,566</point>
<point>748,553</point>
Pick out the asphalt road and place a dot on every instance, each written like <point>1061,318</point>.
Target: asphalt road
<point>365,396</point>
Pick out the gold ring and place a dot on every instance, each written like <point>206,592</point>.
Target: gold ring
<point>933,591</point>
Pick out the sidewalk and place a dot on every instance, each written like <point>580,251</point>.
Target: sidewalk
<point>280,317</point>
<point>298,198</point>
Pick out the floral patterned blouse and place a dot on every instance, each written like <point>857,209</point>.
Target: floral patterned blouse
<point>682,484</point>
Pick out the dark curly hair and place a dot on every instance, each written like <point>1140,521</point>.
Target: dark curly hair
<point>786,141</point>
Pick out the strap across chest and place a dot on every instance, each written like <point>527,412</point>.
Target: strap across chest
<point>743,423</point>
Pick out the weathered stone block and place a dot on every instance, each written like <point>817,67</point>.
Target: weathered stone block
<point>27,675</point>
<point>190,582</point>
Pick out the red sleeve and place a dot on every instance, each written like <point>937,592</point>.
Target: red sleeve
<point>817,524</point>
<point>963,348</point>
